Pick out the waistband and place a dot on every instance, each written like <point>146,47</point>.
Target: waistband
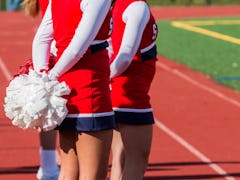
<point>150,53</point>
<point>100,46</point>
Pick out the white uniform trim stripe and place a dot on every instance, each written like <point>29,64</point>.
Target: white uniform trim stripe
<point>133,110</point>
<point>147,48</point>
<point>90,115</point>
<point>98,42</point>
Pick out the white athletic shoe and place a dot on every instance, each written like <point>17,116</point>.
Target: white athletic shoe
<point>47,176</point>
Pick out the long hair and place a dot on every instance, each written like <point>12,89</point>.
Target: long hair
<point>31,7</point>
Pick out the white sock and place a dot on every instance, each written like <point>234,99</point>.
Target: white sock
<point>48,161</point>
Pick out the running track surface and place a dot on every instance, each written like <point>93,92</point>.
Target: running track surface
<point>196,135</point>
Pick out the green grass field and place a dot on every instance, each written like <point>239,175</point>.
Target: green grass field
<point>211,46</point>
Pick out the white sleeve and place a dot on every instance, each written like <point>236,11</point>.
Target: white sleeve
<point>94,13</point>
<point>136,17</point>
<point>42,41</point>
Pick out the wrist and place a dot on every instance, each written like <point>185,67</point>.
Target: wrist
<point>52,75</point>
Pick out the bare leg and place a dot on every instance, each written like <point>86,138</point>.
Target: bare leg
<point>118,157</point>
<point>69,161</point>
<point>93,149</point>
<point>137,144</point>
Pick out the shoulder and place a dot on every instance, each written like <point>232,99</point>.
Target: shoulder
<point>136,9</point>
<point>139,5</point>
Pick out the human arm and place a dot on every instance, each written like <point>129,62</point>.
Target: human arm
<point>42,42</point>
<point>136,17</point>
<point>94,13</point>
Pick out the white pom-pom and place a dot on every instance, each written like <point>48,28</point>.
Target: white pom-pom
<point>34,101</point>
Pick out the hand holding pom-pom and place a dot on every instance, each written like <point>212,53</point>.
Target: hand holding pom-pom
<point>34,101</point>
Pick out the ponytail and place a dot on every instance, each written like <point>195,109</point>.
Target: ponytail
<point>31,7</point>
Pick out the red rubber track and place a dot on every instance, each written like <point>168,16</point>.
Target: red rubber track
<point>196,133</point>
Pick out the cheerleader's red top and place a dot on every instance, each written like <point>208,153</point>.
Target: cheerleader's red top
<point>149,35</point>
<point>82,60</point>
<point>130,88</point>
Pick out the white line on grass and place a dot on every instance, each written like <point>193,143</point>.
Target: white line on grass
<point>193,150</point>
<point>206,32</point>
<point>5,70</point>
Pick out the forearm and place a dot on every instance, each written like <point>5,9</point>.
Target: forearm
<point>42,42</point>
<point>136,17</point>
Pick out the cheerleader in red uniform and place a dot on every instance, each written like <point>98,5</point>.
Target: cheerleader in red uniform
<point>132,71</point>
<point>80,29</point>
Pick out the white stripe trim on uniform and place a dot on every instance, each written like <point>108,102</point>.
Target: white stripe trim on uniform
<point>147,48</point>
<point>97,42</point>
<point>90,115</point>
<point>133,110</point>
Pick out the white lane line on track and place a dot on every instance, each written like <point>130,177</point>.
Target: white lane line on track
<point>199,85</point>
<point>179,139</point>
<point>193,150</point>
<point>5,70</point>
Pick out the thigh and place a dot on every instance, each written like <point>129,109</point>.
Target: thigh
<point>69,161</point>
<point>117,144</point>
<point>137,139</point>
<point>93,149</point>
